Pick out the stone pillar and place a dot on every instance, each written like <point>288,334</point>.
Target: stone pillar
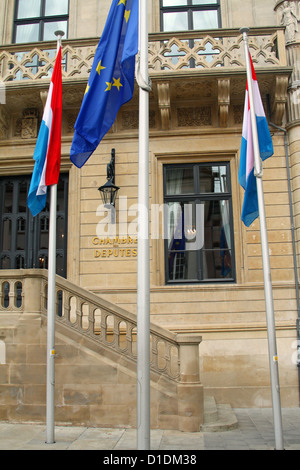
<point>190,390</point>
<point>288,15</point>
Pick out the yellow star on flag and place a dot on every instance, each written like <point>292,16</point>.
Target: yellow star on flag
<point>127,15</point>
<point>99,68</point>
<point>122,2</point>
<point>117,83</point>
<point>108,86</point>
<point>87,89</point>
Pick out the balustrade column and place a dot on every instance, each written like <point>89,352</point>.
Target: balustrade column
<point>32,294</point>
<point>190,390</point>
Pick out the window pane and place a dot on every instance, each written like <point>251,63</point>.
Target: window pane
<point>173,3</point>
<point>6,235</point>
<point>21,231</point>
<point>51,27</point>
<point>27,33</point>
<point>60,196</point>
<point>56,7</point>
<point>44,232</point>
<point>217,261</point>
<point>213,179</point>
<point>20,262</point>
<point>60,225</point>
<point>8,198</point>
<point>29,9</point>
<point>175,21</point>
<point>176,242</point>
<point>59,265</point>
<point>43,261</point>
<point>204,2</point>
<point>5,262</point>
<point>185,239</point>
<point>179,181</point>
<point>22,201</point>
<point>205,19</point>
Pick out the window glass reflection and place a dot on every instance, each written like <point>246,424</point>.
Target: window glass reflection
<point>56,7</point>
<point>213,179</point>
<point>198,223</point>
<point>51,27</point>
<point>205,19</point>
<point>180,181</point>
<point>175,21</point>
<point>27,33</point>
<point>203,2</point>
<point>29,9</point>
<point>173,3</point>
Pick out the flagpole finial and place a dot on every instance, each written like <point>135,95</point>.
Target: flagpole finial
<point>59,34</point>
<point>244,30</point>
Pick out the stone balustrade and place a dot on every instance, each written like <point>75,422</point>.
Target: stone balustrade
<point>206,50</point>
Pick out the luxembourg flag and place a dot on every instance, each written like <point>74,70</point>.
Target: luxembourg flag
<point>47,154</point>
<point>247,178</point>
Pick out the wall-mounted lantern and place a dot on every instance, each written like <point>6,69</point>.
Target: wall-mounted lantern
<point>109,190</point>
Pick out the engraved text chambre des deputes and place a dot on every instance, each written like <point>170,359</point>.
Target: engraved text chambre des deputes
<point>124,247</point>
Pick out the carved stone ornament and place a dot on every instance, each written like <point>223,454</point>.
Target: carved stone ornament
<point>194,117</point>
<point>29,124</point>
<point>288,15</point>
<point>223,100</point>
<point>164,104</point>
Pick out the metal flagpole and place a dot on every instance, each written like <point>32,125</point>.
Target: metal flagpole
<point>50,398</point>
<point>143,277</point>
<point>273,358</point>
<point>51,317</point>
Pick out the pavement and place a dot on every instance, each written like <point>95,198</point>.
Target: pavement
<point>254,431</point>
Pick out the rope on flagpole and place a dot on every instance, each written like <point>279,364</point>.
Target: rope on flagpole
<point>139,77</point>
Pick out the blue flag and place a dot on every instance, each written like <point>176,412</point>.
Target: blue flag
<point>111,81</point>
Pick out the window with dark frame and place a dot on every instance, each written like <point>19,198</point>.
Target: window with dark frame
<point>184,15</point>
<point>24,238</point>
<point>199,245</point>
<point>37,20</point>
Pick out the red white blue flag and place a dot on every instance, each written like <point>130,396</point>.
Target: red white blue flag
<point>247,177</point>
<point>47,154</point>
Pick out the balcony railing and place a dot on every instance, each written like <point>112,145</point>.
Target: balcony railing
<point>168,52</point>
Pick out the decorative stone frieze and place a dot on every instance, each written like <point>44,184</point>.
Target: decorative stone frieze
<point>194,116</point>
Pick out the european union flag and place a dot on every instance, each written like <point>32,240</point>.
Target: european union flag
<point>111,81</point>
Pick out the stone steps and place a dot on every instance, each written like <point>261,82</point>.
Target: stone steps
<point>218,417</point>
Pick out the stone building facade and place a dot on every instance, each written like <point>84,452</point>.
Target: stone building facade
<point>197,68</point>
